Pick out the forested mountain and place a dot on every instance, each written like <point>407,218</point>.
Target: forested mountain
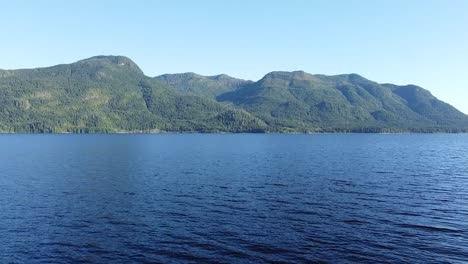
<point>111,94</point>
<point>207,86</point>
<point>108,94</point>
<point>305,102</point>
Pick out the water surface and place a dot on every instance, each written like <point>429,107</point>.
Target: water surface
<point>233,198</point>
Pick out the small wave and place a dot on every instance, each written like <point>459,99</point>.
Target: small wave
<point>383,172</point>
<point>300,212</point>
<point>266,249</point>
<point>277,184</point>
<point>59,244</point>
<point>431,228</point>
<point>354,222</point>
<point>189,172</point>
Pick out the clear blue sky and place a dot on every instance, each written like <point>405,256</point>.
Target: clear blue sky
<point>421,42</point>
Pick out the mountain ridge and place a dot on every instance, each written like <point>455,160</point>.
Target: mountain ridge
<point>110,94</point>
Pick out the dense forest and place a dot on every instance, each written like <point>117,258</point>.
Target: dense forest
<point>109,94</point>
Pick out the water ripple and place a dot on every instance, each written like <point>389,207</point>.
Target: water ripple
<point>234,199</point>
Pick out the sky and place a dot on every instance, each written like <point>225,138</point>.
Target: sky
<point>422,42</point>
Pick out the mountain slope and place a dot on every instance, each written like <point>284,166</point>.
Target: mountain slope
<point>112,94</point>
<point>305,102</point>
<point>424,103</point>
<point>106,94</point>
<point>205,86</point>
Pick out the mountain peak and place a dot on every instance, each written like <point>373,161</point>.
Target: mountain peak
<point>221,77</point>
<point>120,61</point>
<point>286,77</point>
<point>192,75</point>
<point>178,77</point>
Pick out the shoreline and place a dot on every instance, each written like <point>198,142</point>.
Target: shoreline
<point>233,133</point>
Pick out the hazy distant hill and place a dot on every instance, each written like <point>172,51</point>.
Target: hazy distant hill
<point>111,94</point>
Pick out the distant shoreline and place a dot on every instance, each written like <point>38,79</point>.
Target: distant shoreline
<point>232,133</point>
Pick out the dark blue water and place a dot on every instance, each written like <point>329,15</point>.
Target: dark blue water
<point>233,198</point>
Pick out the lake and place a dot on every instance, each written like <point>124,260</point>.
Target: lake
<point>234,198</point>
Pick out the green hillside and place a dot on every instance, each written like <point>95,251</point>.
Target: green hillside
<point>206,86</point>
<point>299,101</point>
<point>111,94</point>
<point>107,94</point>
